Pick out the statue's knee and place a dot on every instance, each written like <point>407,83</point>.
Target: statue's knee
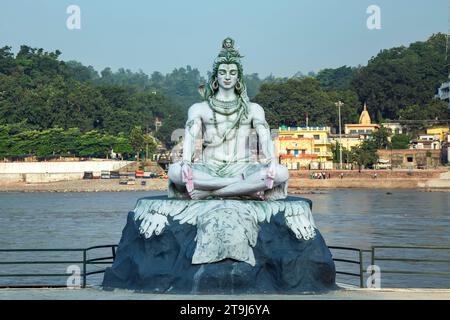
<point>174,173</point>
<point>282,174</point>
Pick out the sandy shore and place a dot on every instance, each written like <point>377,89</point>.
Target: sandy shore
<point>95,185</point>
<point>296,185</point>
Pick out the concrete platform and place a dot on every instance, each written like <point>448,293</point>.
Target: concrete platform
<point>98,294</point>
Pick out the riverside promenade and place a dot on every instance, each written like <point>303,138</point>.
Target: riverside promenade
<point>345,294</point>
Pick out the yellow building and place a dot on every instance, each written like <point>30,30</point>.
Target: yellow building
<point>355,133</point>
<point>348,140</point>
<point>439,133</point>
<point>364,127</point>
<point>304,147</point>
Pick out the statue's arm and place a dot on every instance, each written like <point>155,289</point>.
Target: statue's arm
<point>193,127</point>
<point>263,131</point>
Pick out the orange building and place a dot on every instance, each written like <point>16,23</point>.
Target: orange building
<point>296,152</point>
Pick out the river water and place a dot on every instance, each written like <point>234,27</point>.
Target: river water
<point>351,218</point>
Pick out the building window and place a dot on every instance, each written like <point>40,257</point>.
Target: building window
<point>410,158</point>
<point>317,150</point>
<point>316,137</point>
<point>353,131</point>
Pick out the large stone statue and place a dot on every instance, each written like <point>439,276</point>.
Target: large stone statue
<point>223,122</point>
<point>227,225</point>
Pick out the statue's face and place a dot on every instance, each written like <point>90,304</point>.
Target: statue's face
<point>227,75</point>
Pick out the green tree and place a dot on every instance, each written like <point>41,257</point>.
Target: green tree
<point>403,76</point>
<point>379,139</point>
<point>137,140</point>
<point>434,110</point>
<point>365,154</point>
<point>336,79</point>
<point>93,144</point>
<point>292,100</point>
<point>347,155</point>
<point>400,141</point>
<point>122,145</point>
<point>150,144</point>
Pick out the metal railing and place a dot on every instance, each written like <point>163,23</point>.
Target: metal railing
<point>357,261</point>
<point>84,262</point>
<point>376,258</point>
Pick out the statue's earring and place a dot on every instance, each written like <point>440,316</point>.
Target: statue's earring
<point>215,85</point>
<point>238,86</point>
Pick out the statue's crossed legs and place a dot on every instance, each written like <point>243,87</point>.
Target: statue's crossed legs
<point>230,179</point>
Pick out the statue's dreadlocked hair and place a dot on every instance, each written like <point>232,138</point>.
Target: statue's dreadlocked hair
<point>228,55</point>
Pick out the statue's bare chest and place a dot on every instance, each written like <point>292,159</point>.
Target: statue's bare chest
<point>215,119</point>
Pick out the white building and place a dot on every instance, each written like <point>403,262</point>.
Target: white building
<point>426,141</point>
<point>444,92</point>
<point>393,127</point>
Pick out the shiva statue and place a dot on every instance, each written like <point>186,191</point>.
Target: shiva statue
<point>224,122</point>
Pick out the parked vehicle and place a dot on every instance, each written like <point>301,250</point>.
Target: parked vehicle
<point>88,175</point>
<point>131,179</point>
<point>139,174</point>
<point>105,174</point>
<point>114,175</point>
<point>149,175</point>
<point>163,176</point>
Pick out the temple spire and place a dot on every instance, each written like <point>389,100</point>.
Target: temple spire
<point>364,118</point>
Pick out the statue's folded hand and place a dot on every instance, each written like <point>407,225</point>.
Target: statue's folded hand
<point>186,177</point>
<point>301,227</point>
<point>271,172</point>
<point>153,223</point>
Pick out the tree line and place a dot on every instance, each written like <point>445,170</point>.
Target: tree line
<point>44,98</point>
<point>398,83</point>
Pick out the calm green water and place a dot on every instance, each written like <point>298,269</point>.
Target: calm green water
<point>355,218</point>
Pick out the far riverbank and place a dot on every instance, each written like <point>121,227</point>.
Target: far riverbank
<point>298,183</point>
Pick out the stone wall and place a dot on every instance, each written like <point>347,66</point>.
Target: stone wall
<point>302,184</point>
<point>368,174</point>
<point>49,171</point>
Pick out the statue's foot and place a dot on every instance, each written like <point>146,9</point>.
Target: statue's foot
<point>199,194</point>
<point>260,195</point>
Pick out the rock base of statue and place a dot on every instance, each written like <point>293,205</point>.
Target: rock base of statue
<point>222,247</point>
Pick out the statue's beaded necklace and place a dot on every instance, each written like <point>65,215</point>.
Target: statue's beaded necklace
<point>226,108</point>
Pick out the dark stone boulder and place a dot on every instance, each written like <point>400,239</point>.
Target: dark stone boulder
<point>162,264</point>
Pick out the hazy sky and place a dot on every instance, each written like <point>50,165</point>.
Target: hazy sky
<point>278,36</point>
